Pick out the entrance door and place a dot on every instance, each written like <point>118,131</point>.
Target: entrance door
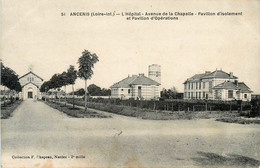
<point>139,91</point>
<point>30,95</point>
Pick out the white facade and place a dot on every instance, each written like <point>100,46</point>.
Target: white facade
<point>231,94</point>
<point>145,92</point>
<point>31,84</point>
<point>201,89</point>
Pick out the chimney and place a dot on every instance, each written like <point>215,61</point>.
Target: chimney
<point>141,74</point>
<point>231,74</point>
<point>207,72</point>
<point>236,83</point>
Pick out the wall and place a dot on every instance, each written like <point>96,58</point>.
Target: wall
<point>24,80</point>
<point>34,89</point>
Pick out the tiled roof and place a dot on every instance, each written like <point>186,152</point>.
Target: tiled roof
<point>244,87</point>
<point>134,80</point>
<point>219,74</point>
<point>31,73</point>
<point>226,85</point>
<point>215,74</point>
<point>231,85</point>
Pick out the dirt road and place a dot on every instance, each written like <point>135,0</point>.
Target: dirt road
<point>38,136</point>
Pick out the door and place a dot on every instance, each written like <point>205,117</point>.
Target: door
<point>30,95</point>
<point>139,91</point>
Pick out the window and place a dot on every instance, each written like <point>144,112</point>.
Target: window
<point>196,85</point>
<point>217,94</point>
<point>129,91</point>
<point>203,94</point>
<point>199,95</point>
<point>200,85</point>
<point>230,93</point>
<point>203,85</point>
<point>196,95</point>
<point>210,86</point>
<point>191,85</point>
<point>191,94</point>
<point>245,96</point>
<point>188,85</point>
<point>188,94</point>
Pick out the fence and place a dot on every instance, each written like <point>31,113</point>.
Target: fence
<point>176,105</point>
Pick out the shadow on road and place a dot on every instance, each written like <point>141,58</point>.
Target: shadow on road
<point>212,159</point>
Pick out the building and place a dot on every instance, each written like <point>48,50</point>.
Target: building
<point>31,84</point>
<point>154,72</point>
<point>217,85</point>
<point>139,86</point>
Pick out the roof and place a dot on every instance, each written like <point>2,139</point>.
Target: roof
<point>216,74</point>
<point>232,85</point>
<point>244,87</point>
<point>31,83</point>
<point>134,80</point>
<point>220,74</point>
<point>31,73</point>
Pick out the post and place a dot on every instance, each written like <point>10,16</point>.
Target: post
<point>154,104</point>
<point>65,94</point>
<point>85,95</point>
<point>73,96</point>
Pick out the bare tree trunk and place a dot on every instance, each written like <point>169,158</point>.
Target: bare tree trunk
<point>85,95</point>
<point>73,96</point>
<point>65,94</point>
<point>4,96</point>
<point>59,96</point>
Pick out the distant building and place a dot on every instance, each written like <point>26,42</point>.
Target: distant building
<point>139,86</point>
<point>31,84</point>
<point>217,85</point>
<point>154,72</point>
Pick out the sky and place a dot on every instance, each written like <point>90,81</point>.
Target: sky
<point>35,33</point>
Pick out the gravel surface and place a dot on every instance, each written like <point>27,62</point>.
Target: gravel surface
<point>41,133</point>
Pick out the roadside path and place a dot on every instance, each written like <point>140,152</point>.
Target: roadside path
<point>39,130</point>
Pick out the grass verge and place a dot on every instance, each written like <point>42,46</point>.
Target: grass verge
<point>240,120</point>
<point>6,111</point>
<point>158,114</point>
<point>76,112</point>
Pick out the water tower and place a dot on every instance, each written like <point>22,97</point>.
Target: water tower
<point>154,72</point>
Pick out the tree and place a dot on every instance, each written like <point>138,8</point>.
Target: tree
<point>94,90</point>
<point>86,63</point>
<point>105,92</point>
<point>9,79</point>
<point>170,93</point>
<point>71,77</point>
<point>65,83</point>
<point>80,92</point>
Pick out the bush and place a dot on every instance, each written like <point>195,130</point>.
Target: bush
<point>169,105</point>
<point>255,110</point>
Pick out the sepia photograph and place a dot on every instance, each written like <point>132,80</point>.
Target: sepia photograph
<point>130,84</point>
